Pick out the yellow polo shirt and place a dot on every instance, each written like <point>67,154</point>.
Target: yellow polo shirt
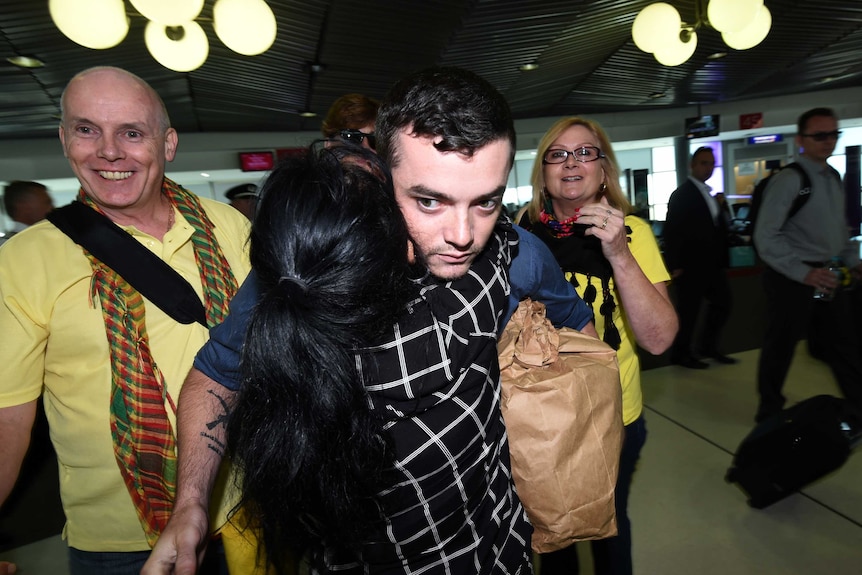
<point>53,343</point>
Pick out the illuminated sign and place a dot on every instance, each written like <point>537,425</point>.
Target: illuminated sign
<point>766,139</point>
<point>256,161</point>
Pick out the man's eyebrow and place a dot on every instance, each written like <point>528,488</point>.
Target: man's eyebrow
<point>133,126</point>
<point>422,190</point>
<point>496,193</point>
<point>138,127</point>
<point>77,120</point>
<point>425,191</point>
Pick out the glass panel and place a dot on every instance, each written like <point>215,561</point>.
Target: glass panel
<point>663,159</point>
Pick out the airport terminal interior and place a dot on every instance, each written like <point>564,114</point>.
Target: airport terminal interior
<point>686,517</point>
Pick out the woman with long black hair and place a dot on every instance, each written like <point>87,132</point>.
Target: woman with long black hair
<point>367,428</point>
<point>329,247</point>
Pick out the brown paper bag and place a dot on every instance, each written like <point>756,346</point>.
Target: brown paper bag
<point>561,400</point>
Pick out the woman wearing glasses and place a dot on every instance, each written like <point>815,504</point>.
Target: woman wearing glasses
<point>351,118</point>
<point>612,258</point>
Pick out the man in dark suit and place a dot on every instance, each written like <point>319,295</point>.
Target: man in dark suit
<point>696,253</point>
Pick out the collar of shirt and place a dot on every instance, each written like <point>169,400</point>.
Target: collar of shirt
<point>711,203</point>
<point>813,167</point>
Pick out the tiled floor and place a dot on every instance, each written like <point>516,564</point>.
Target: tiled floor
<point>686,519</point>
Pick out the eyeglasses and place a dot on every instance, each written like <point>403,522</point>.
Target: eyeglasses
<point>823,136</point>
<point>582,154</point>
<point>356,137</point>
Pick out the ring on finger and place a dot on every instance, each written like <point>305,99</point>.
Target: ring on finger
<point>605,223</point>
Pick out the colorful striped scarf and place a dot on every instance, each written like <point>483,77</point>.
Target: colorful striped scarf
<point>144,440</point>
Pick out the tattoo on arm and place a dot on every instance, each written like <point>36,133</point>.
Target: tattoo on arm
<point>215,443</point>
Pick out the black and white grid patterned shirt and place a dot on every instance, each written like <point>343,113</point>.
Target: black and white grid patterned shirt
<point>451,506</point>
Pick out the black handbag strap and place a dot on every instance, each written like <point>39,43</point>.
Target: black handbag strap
<point>143,269</point>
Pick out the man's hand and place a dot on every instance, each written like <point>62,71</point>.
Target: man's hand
<point>181,546</point>
<point>7,568</point>
<point>821,279</point>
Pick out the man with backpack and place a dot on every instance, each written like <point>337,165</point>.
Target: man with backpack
<point>796,245</point>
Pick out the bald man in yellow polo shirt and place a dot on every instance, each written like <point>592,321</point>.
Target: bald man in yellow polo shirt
<point>109,364</point>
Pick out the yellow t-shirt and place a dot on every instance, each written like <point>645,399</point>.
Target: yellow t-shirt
<point>646,252</point>
<point>54,344</point>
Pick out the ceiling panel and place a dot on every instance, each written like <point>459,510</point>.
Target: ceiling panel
<point>587,60</point>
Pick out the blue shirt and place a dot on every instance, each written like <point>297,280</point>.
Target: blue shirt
<point>534,273</point>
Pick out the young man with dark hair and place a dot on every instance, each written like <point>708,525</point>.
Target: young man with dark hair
<point>449,139</point>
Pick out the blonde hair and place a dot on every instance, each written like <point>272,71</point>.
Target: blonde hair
<point>613,191</point>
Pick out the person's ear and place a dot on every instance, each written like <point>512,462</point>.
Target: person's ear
<point>411,254</point>
<point>171,141</point>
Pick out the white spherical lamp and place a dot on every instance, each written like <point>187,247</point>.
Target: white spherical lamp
<point>169,12</point>
<point>182,49</point>
<point>245,26</point>
<point>96,24</point>
<point>675,53</point>
<point>655,26</point>
<point>732,15</point>
<point>751,35</point>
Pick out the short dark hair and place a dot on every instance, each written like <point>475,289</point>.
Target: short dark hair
<point>702,150</point>
<point>329,247</point>
<point>454,104</point>
<point>350,111</point>
<point>16,192</point>
<point>802,122</point>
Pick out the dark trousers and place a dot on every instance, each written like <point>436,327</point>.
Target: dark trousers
<point>612,556</point>
<point>131,563</point>
<point>691,288</point>
<point>791,314</point>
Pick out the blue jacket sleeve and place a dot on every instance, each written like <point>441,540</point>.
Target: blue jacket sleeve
<point>535,273</point>
<point>219,358</point>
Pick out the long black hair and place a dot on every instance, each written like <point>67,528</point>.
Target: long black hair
<point>329,246</point>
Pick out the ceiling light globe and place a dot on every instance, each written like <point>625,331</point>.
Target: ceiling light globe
<point>753,34</point>
<point>655,26</point>
<point>245,26</point>
<point>184,55</point>
<point>732,15</point>
<point>676,52</point>
<point>96,24</point>
<point>169,12</point>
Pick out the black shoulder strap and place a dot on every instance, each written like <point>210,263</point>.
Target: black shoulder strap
<point>144,271</point>
<point>804,189</point>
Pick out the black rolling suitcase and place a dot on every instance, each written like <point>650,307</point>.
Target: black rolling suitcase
<point>786,452</point>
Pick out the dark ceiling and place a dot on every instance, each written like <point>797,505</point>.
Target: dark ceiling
<point>587,60</point>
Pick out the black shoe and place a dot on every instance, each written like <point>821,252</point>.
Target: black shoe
<point>723,359</point>
<point>690,363</point>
